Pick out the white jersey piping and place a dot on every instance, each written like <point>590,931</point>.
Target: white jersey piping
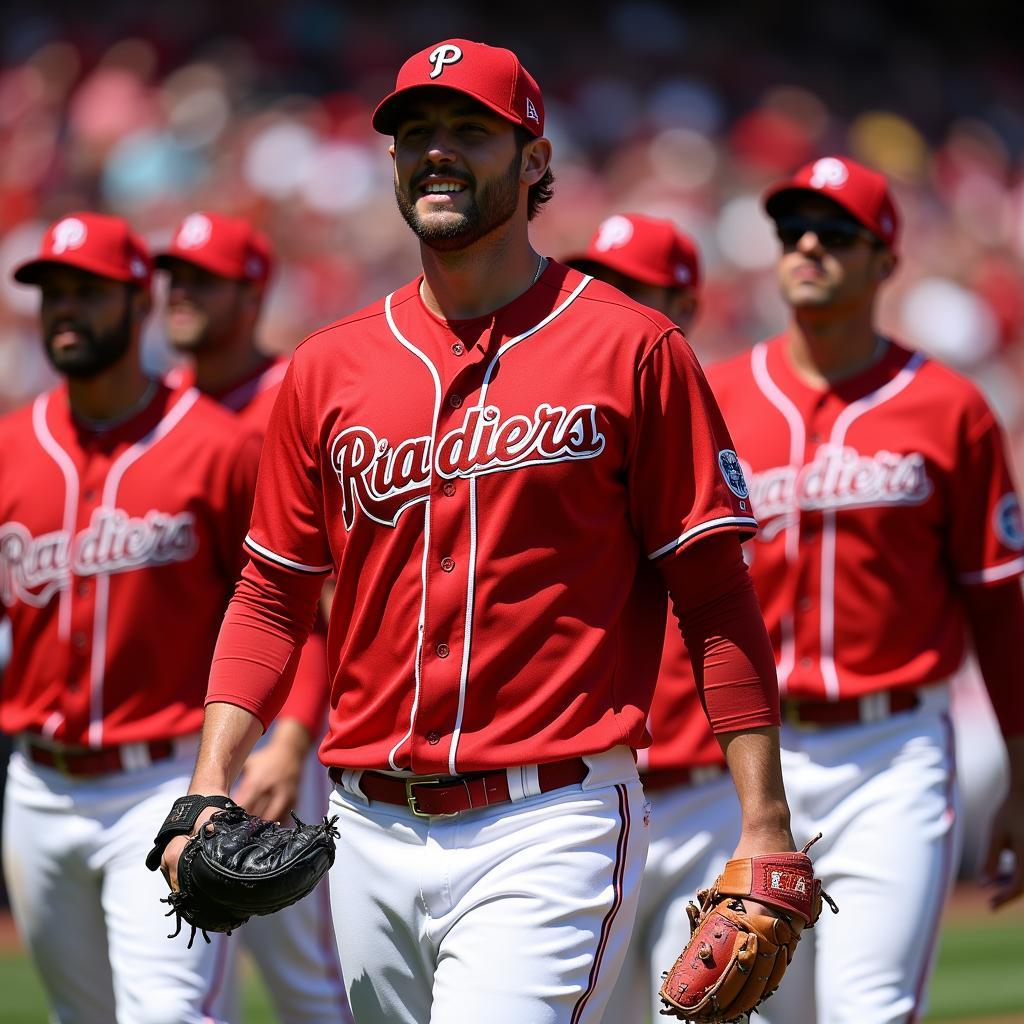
<point>288,563</point>
<point>421,625</point>
<point>473,512</point>
<point>696,531</point>
<point>994,573</point>
<point>837,438</point>
<point>71,488</point>
<point>102,608</point>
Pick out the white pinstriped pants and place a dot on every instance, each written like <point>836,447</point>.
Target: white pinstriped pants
<point>514,914</point>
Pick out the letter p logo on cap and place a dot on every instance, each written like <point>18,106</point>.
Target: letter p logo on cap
<point>446,53</point>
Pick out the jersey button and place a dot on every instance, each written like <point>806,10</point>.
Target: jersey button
<point>447,564</point>
<point>82,588</point>
<point>443,650</point>
<point>455,401</point>
<point>805,662</point>
<point>805,604</point>
<point>458,348</point>
<point>78,641</point>
<point>448,489</point>
<point>90,495</point>
<point>433,738</point>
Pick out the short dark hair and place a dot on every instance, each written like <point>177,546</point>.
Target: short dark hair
<point>541,191</point>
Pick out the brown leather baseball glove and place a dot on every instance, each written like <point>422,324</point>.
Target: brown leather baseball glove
<point>738,952</point>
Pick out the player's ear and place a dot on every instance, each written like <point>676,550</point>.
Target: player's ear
<point>536,159</point>
<point>391,151</point>
<point>885,264</point>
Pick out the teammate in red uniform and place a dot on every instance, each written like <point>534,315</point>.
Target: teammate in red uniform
<point>890,536</point>
<point>122,504</point>
<point>506,464</point>
<point>219,267</point>
<point>696,819</point>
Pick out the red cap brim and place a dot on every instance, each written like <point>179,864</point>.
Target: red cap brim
<point>31,271</point>
<point>386,114</point>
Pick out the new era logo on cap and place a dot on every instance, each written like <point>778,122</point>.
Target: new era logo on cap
<point>490,75</point>
<point>93,242</point>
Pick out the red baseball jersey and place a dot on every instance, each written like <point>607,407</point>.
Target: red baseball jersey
<point>495,495</point>
<point>252,400</point>
<point>879,499</point>
<point>118,552</point>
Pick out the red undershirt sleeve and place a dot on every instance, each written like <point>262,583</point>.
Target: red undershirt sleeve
<point>996,618</point>
<point>268,618</point>
<point>733,665</point>
<point>311,689</point>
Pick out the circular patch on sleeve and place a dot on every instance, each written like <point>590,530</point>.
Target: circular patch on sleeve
<point>729,464</point>
<point>1008,521</point>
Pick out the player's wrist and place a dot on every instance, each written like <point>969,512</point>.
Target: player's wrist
<point>767,828</point>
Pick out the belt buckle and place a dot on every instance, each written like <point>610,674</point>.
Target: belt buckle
<point>410,796</point>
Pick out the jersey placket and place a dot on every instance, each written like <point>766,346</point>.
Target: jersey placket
<point>78,688</point>
<point>808,610</point>
<point>450,575</point>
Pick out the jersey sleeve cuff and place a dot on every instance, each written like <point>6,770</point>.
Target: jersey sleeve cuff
<point>994,573</point>
<point>274,558</point>
<point>253,707</point>
<point>746,526</point>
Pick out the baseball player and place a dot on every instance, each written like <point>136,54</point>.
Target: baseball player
<point>695,820</point>
<point>890,537</point>
<point>218,268</point>
<point>507,465</point>
<point>120,542</point>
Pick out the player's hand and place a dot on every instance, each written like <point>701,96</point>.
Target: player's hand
<point>172,852</point>
<point>1007,836</point>
<point>269,785</point>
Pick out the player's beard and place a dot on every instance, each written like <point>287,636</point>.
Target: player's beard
<point>491,205</point>
<point>95,351</point>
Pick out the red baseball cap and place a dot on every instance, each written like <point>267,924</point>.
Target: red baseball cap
<point>861,192</point>
<point>489,74</point>
<point>94,242</point>
<point>227,246</point>
<point>647,249</point>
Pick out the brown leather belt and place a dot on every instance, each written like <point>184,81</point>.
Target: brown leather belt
<point>872,707</point>
<point>83,761</point>
<point>669,778</point>
<point>427,796</point>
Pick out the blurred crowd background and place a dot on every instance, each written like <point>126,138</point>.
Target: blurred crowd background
<point>688,111</point>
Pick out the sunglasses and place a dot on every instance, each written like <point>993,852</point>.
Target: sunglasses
<point>833,234</point>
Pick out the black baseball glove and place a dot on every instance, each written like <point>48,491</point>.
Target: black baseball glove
<point>238,865</point>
